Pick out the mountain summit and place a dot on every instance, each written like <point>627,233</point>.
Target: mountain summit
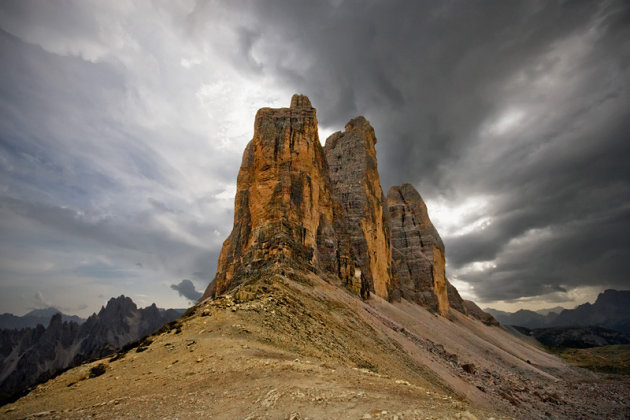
<point>323,210</point>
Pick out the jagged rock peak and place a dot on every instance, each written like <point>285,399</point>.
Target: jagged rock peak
<point>283,209</point>
<point>430,234</point>
<point>121,304</point>
<point>362,130</point>
<point>418,264</point>
<point>351,158</point>
<point>361,124</point>
<point>300,101</point>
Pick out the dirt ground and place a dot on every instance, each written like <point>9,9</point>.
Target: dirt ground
<point>295,347</point>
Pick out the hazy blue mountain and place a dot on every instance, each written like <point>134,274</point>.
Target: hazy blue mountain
<point>576,337</point>
<point>33,318</point>
<point>522,318</point>
<point>610,310</point>
<point>547,311</point>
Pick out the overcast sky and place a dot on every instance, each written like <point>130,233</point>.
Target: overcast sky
<point>122,126</point>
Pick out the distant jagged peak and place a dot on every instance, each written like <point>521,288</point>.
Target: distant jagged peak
<point>55,321</point>
<point>121,301</point>
<point>613,297</point>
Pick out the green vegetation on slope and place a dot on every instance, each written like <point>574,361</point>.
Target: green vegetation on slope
<point>607,359</point>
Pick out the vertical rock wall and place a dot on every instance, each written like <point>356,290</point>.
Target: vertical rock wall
<point>283,210</point>
<point>418,264</point>
<point>351,158</point>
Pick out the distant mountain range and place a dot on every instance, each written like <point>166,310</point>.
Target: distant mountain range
<point>31,355</point>
<point>610,310</point>
<point>576,337</point>
<point>34,318</point>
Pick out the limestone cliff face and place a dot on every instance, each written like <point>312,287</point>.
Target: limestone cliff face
<point>351,158</point>
<point>417,250</point>
<point>283,209</point>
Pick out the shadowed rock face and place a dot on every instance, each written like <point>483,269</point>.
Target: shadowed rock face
<point>417,250</point>
<point>283,210</point>
<point>351,158</point>
<point>455,301</point>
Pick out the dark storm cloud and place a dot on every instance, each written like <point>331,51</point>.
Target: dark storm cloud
<point>426,75</point>
<point>523,102</point>
<point>186,288</point>
<point>122,127</point>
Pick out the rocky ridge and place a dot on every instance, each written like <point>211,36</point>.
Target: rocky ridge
<point>576,337</point>
<point>476,312</point>
<point>294,346</point>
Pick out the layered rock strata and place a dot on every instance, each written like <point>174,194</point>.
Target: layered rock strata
<point>351,158</point>
<point>417,250</point>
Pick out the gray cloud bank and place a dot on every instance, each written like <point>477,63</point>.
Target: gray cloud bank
<point>122,127</point>
<point>186,288</point>
<point>522,104</point>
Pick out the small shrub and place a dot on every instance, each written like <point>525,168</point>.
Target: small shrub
<point>97,370</point>
<point>146,342</point>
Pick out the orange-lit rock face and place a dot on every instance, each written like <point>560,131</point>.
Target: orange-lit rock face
<point>439,280</point>
<point>417,250</point>
<point>351,158</point>
<point>283,208</point>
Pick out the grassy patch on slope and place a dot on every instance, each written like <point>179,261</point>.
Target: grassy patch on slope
<point>606,359</point>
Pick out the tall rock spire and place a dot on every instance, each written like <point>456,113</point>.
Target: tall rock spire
<point>417,250</point>
<point>351,158</point>
<point>283,210</point>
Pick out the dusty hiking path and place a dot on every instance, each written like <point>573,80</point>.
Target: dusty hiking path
<point>294,346</point>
